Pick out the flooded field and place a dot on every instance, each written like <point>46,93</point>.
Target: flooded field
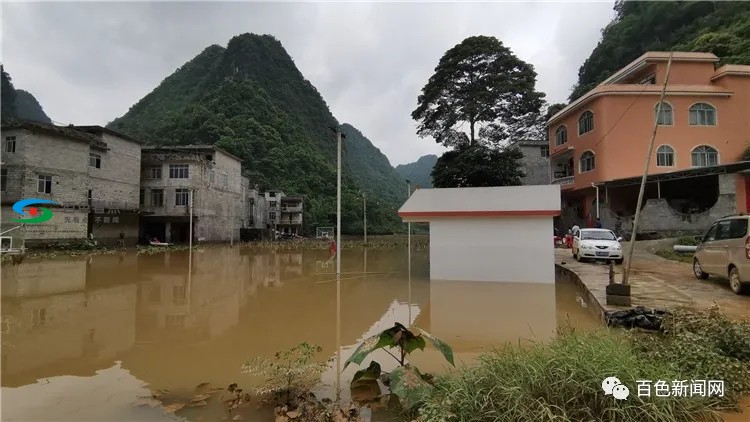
<point>83,338</point>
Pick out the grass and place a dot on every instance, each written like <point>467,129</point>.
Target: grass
<point>561,381</point>
<point>676,256</point>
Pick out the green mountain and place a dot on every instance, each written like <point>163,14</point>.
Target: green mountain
<point>420,171</point>
<point>719,27</point>
<point>250,99</point>
<point>20,104</point>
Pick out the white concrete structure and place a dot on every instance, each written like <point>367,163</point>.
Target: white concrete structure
<point>488,234</point>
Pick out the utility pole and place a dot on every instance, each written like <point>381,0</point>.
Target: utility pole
<point>626,272</point>
<point>190,230</point>
<point>339,136</point>
<point>364,207</point>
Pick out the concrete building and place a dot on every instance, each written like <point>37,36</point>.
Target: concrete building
<point>696,173</point>
<point>535,161</point>
<point>89,171</point>
<point>219,193</point>
<point>284,212</point>
<point>488,234</point>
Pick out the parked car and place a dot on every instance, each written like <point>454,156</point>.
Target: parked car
<point>724,251</point>
<point>597,244</point>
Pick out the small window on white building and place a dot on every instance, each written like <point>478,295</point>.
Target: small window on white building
<point>141,197</point>
<point>272,216</point>
<point>224,180</point>
<point>587,162</point>
<point>10,144</point>
<point>544,151</point>
<point>154,173</point>
<point>704,156</point>
<point>44,184</point>
<point>180,197</point>
<point>665,156</point>
<point>157,197</point>
<point>95,160</point>
<point>179,171</point>
<point>665,117</point>
<point>702,114</point>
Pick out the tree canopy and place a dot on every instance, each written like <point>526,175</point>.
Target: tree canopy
<point>19,104</point>
<point>718,27</point>
<point>479,82</point>
<point>478,165</point>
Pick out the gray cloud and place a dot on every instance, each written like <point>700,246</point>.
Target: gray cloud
<point>87,63</point>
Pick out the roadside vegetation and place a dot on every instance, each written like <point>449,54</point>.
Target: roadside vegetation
<point>562,381</point>
<point>669,253</point>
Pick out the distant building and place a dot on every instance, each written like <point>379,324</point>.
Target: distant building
<point>696,173</point>
<point>535,161</point>
<point>284,212</point>
<point>219,193</point>
<point>90,171</point>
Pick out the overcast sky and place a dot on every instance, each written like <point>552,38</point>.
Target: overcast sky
<point>87,63</point>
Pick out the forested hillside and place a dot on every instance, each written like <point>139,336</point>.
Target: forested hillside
<point>19,104</point>
<point>251,99</point>
<point>420,171</point>
<point>719,27</point>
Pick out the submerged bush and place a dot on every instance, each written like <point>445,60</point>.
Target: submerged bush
<point>562,381</point>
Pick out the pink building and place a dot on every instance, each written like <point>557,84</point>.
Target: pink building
<point>696,173</point>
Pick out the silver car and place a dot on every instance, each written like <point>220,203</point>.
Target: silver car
<point>725,252</point>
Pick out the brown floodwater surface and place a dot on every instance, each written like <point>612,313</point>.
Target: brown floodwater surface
<point>83,338</point>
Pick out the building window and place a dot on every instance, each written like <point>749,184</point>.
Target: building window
<point>180,197</point>
<point>704,156</point>
<point>154,173</point>
<point>586,123</point>
<point>157,197</point>
<point>44,184</point>
<point>3,180</point>
<point>272,216</point>
<point>665,117</point>
<point>141,197</point>
<point>561,135</point>
<point>272,204</point>
<point>702,114</point>
<point>544,151</point>
<point>212,176</point>
<point>90,194</point>
<point>224,180</point>
<point>10,144</point>
<point>587,162</point>
<point>179,171</point>
<point>95,160</point>
<point>665,156</point>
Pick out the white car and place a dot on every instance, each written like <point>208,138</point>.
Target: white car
<point>597,244</point>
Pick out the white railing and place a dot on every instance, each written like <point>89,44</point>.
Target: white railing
<point>564,180</point>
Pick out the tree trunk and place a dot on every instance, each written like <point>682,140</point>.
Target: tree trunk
<point>471,126</point>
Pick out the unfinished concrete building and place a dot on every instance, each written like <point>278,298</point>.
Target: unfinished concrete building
<point>171,175</point>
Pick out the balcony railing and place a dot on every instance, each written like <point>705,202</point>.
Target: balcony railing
<point>564,180</point>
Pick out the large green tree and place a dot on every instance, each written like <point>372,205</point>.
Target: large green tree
<point>479,82</point>
<point>478,165</point>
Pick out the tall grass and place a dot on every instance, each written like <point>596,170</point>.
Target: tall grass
<point>561,381</point>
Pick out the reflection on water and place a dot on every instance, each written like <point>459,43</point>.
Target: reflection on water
<point>171,329</point>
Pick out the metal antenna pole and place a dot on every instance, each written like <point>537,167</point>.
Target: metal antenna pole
<point>626,272</point>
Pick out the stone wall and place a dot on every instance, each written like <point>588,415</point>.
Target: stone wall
<point>118,180</point>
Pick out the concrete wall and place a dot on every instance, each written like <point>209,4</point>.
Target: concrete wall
<point>513,249</point>
<point>118,179</point>
<point>107,227</point>
<point>535,165</point>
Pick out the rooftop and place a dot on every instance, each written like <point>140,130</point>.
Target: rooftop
<point>101,129</point>
<point>501,201</point>
<point>187,148</point>
<point>70,132</point>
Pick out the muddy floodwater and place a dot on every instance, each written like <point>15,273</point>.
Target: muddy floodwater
<point>83,338</point>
